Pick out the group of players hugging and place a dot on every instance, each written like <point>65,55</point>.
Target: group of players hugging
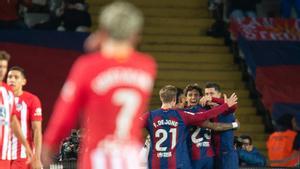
<point>191,130</point>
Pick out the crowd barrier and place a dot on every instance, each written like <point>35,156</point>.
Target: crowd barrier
<point>66,164</point>
<point>71,164</point>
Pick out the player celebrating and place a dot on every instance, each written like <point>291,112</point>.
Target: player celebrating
<point>8,119</point>
<point>29,113</point>
<point>108,90</point>
<point>226,155</point>
<point>168,129</point>
<point>200,142</point>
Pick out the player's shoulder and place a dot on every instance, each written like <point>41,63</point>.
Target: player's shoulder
<point>29,95</point>
<point>86,63</point>
<point>88,58</point>
<point>6,86</point>
<point>145,58</point>
<point>163,111</point>
<point>155,111</point>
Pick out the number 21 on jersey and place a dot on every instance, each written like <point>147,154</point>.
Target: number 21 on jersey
<point>162,135</point>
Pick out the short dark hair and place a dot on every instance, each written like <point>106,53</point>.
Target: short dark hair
<point>213,85</point>
<point>168,93</point>
<point>246,137</point>
<point>4,55</point>
<point>179,93</point>
<point>191,87</point>
<point>18,68</point>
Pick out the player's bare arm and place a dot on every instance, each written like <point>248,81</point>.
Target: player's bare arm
<point>37,140</point>
<point>219,126</point>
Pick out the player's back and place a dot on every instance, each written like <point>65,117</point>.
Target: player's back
<point>107,95</point>
<point>115,92</point>
<point>168,132</point>
<point>200,139</point>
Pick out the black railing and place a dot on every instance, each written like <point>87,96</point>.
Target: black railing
<point>66,164</point>
<point>71,164</point>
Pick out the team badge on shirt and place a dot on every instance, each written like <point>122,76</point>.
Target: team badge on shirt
<point>19,107</point>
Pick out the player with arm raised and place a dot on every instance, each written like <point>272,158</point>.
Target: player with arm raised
<point>226,155</point>
<point>169,127</point>
<point>200,141</point>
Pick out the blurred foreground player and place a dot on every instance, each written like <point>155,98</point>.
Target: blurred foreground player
<point>108,90</point>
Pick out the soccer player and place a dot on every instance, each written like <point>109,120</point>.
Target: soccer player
<point>107,90</point>
<point>226,155</point>
<point>8,118</point>
<point>200,142</point>
<point>29,114</point>
<point>169,127</point>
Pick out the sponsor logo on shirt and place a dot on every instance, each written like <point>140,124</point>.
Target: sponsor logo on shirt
<point>38,112</point>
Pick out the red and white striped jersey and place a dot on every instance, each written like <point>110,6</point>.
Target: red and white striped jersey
<point>28,109</point>
<point>7,108</point>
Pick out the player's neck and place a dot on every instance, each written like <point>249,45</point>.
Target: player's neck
<point>167,106</point>
<point>116,49</point>
<point>18,93</point>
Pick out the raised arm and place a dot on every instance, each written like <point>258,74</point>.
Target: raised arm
<point>221,101</point>
<point>196,118</point>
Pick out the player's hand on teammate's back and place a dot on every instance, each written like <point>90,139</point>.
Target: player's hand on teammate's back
<point>232,100</point>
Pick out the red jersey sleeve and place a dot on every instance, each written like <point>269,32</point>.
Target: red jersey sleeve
<point>197,118</point>
<point>67,107</point>
<point>220,101</point>
<point>36,109</point>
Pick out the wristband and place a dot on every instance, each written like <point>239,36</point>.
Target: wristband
<point>235,125</point>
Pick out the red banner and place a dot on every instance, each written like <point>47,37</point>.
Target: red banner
<point>266,29</point>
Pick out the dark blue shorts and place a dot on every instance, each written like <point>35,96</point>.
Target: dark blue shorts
<point>227,160</point>
<point>205,163</point>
